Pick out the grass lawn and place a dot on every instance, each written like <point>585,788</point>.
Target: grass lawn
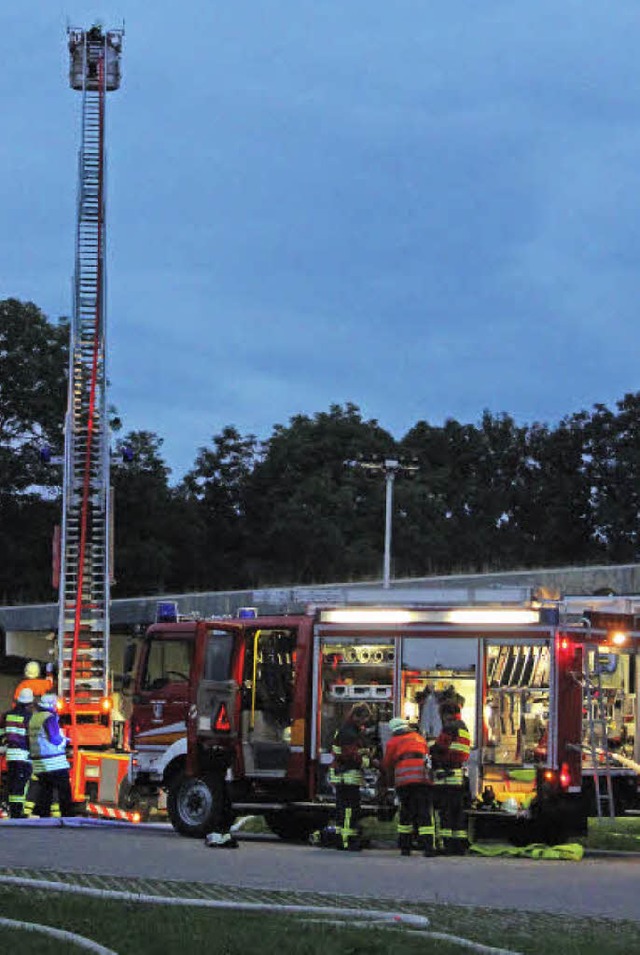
<point>142,929</point>
<point>622,833</point>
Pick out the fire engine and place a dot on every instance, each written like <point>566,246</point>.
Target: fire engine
<point>251,703</point>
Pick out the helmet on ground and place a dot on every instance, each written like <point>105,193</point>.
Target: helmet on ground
<point>48,701</point>
<point>397,723</point>
<point>25,695</point>
<point>32,670</point>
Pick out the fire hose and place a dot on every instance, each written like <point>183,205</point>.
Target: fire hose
<point>330,914</point>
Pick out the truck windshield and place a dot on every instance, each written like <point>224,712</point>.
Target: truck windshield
<point>218,655</point>
<point>168,661</point>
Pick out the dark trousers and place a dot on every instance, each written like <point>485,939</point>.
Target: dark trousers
<point>347,816</point>
<point>416,816</point>
<point>18,776</point>
<point>57,780</point>
<point>223,815</point>
<point>451,823</point>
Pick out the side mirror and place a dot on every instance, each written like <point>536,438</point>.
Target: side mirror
<point>129,660</point>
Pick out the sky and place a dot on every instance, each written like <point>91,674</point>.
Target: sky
<point>425,208</point>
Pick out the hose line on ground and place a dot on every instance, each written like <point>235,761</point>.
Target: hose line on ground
<point>372,918</point>
<point>88,944</point>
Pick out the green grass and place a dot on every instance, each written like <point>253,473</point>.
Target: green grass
<point>621,833</point>
<point>139,929</point>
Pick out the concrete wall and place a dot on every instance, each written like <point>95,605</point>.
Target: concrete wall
<point>622,579</point>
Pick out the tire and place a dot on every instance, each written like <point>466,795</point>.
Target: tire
<point>193,803</point>
<point>293,828</point>
<point>132,799</point>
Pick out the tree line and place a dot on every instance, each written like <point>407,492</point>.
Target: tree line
<point>288,509</point>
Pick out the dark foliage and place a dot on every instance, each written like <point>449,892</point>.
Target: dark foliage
<point>294,509</point>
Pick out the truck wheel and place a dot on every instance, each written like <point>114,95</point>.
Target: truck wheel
<point>294,828</point>
<point>192,803</point>
<point>132,799</point>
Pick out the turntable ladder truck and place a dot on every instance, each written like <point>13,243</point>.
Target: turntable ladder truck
<point>84,573</point>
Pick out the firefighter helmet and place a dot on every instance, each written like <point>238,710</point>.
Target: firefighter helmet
<point>360,713</point>
<point>25,695</point>
<point>397,723</point>
<point>49,701</point>
<point>32,670</point>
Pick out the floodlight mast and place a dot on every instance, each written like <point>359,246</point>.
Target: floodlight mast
<point>84,569</point>
<point>390,468</point>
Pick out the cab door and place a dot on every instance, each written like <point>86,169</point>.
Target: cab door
<point>267,701</point>
<point>217,689</point>
<point>161,704</point>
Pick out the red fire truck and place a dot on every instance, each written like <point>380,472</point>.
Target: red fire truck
<point>549,687</point>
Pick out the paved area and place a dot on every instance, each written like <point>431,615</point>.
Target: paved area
<point>597,887</point>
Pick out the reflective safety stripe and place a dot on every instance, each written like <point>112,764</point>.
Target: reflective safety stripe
<point>449,777</point>
<point>404,828</point>
<point>50,764</point>
<point>350,777</point>
<point>18,756</point>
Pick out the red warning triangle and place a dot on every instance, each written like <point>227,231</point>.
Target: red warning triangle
<point>222,724</point>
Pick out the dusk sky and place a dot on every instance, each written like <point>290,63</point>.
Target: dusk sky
<point>425,208</point>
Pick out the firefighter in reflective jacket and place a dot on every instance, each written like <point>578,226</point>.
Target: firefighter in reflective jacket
<point>405,762</point>
<point>48,746</point>
<point>33,681</point>
<point>449,754</point>
<point>16,723</point>
<point>351,757</point>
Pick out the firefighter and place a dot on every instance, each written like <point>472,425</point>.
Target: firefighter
<point>449,754</point>
<point>33,681</point>
<point>351,757</point>
<point>16,724</point>
<point>48,746</point>
<point>406,759</point>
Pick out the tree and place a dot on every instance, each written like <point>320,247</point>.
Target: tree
<point>144,518</point>
<point>213,539</point>
<point>309,517</point>
<point>33,363</point>
<point>613,455</point>
<point>553,514</point>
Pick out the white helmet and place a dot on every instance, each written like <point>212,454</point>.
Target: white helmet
<point>32,670</point>
<point>48,701</point>
<point>25,695</point>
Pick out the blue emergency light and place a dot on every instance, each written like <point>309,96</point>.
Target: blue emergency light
<point>167,612</point>
<point>247,613</point>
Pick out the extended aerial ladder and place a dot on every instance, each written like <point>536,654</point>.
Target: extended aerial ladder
<point>84,577</point>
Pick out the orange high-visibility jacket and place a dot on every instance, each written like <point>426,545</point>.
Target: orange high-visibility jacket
<point>404,756</point>
<point>39,686</point>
